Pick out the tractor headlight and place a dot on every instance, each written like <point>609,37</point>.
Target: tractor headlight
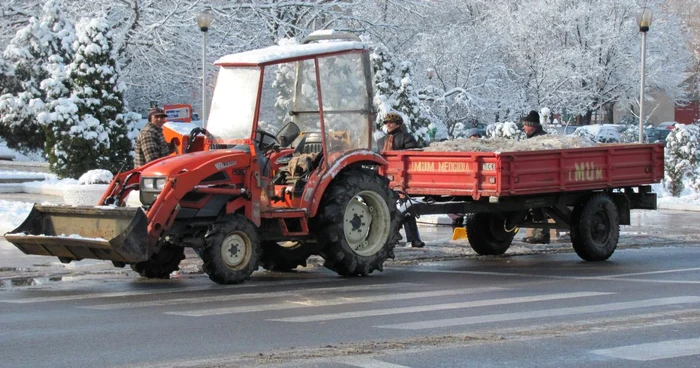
<point>150,188</point>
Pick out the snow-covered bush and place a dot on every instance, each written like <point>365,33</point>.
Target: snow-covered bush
<point>630,135</point>
<point>508,130</point>
<point>682,159</point>
<point>98,176</point>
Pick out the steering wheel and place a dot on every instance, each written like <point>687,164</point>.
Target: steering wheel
<point>261,144</point>
<point>193,136</point>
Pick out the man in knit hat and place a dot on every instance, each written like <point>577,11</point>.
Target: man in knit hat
<point>398,139</point>
<point>150,144</point>
<point>531,125</point>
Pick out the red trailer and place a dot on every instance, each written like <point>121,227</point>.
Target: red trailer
<point>589,191</point>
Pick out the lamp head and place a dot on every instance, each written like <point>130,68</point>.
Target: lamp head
<point>204,20</point>
<point>644,19</point>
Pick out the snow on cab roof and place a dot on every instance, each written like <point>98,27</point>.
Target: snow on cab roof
<point>276,53</point>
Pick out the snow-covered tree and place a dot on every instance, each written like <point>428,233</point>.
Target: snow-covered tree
<point>99,134</point>
<point>682,158</point>
<point>394,91</point>
<point>27,54</point>
<point>506,129</point>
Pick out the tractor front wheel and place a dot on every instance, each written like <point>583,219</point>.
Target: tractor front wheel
<point>161,264</point>
<point>357,225</point>
<point>232,250</point>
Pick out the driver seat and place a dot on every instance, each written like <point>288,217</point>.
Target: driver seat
<point>309,143</point>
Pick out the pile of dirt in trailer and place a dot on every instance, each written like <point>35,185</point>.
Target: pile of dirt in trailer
<point>543,142</point>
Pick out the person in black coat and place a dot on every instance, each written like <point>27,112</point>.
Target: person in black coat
<point>533,128</point>
<point>398,139</point>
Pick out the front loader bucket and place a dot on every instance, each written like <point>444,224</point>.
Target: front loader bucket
<point>74,233</point>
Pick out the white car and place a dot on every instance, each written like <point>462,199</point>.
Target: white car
<point>602,133</point>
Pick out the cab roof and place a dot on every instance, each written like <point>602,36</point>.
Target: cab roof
<point>274,54</point>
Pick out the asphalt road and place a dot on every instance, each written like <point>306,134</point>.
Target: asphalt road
<point>639,309</point>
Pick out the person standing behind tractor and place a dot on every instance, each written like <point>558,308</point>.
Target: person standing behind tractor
<point>533,128</point>
<point>398,139</point>
<point>150,144</point>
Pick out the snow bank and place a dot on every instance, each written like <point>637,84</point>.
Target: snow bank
<point>544,142</point>
<point>12,214</point>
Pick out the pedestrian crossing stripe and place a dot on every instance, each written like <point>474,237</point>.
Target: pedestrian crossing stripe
<point>304,303</point>
<point>438,307</point>
<point>545,313</point>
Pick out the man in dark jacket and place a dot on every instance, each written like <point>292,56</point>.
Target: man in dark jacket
<point>398,139</point>
<point>150,144</point>
<point>533,128</point>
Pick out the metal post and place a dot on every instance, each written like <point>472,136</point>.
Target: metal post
<point>641,91</point>
<point>204,79</point>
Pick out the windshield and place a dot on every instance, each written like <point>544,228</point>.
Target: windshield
<point>233,104</point>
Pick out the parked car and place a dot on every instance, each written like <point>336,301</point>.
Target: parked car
<point>566,130</point>
<point>602,133</point>
<point>656,135</point>
<point>670,125</point>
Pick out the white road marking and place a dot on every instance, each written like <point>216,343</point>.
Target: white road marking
<point>536,276</point>
<point>330,302</point>
<point>654,351</point>
<point>62,298</point>
<point>545,313</point>
<point>368,363</point>
<point>259,295</point>
<point>437,307</point>
<point>652,272</point>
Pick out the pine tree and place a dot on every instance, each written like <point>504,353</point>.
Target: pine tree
<point>394,91</point>
<point>101,134</point>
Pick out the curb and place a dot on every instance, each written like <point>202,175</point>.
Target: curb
<point>679,207</point>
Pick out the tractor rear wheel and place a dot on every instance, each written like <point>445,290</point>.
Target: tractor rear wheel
<point>487,233</point>
<point>595,228</point>
<point>161,264</point>
<point>357,224</point>
<point>232,250</point>
<point>286,256</point>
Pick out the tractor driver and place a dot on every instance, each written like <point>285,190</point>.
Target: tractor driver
<point>150,144</point>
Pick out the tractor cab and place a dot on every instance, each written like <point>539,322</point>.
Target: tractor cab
<point>306,106</point>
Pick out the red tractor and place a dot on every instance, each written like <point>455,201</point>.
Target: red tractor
<point>285,169</point>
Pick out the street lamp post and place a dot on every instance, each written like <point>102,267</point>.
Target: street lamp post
<point>204,21</point>
<point>644,22</point>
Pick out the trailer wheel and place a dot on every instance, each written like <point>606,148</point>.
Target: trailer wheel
<point>487,233</point>
<point>285,256</point>
<point>357,225</point>
<point>596,228</point>
<point>160,265</point>
<point>232,250</point>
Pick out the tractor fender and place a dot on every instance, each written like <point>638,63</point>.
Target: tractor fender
<point>317,184</point>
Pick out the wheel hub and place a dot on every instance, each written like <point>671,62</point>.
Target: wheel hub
<point>233,250</point>
<point>366,223</point>
<point>358,221</point>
